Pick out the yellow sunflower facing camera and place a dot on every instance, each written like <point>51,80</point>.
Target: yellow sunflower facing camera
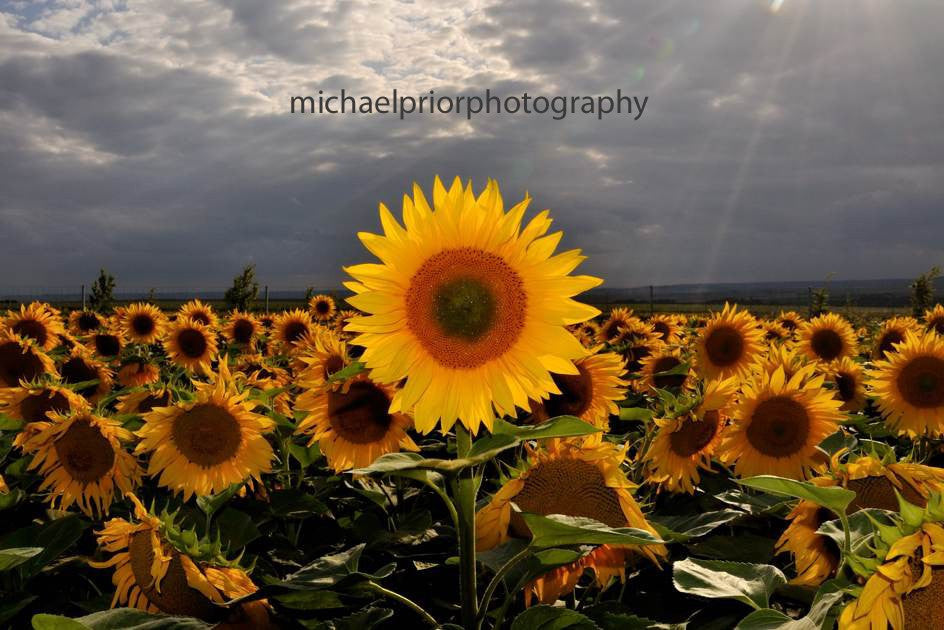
<point>322,308</point>
<point>827,338</point>
<point>191,345</point>
<point>38,323</point>
<point>143,323</point>
<point>728,344</point>
<point>590,395</point>
<point>908,385</point>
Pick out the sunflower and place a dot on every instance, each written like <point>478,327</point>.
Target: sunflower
<point>815,556</point>
<point>322,308</point>
<point>573,479</point>
<point>81,458</point>
<point>143,401</point>
<point>635,332</point>
<point>785,357</point>
<point>728,344</point>
<point>352,422</point>
<point>106,341</point>
<point>143,323</point>
<point>618,318</point>
<point>779,424</point>
<point>827,338</point>
<point>686,444</point>
<point>589,328</point>
<point>241,328</point>
<point>319,356</point>
<point>81,367</point>
<point>155,574</point>
<point>199,312</point>
<point>908,385</point>
<point>791,320</point>
<point>291,327</point>
<point>666,327</point>
<point>84,322</point>
<point>341,320</point>
<point>36,322</point>
<point>191,345</point>
<point>774,331</point>
<point>209,443</point>
<point>137,372</point>
<point>892,332</point>
<point>846,375</point>
<point>31,403</point>
<point>665,369</point>
<point>467,306</point>
<point>934,319</point>
<point>590,395</point>
<point>21,360</point>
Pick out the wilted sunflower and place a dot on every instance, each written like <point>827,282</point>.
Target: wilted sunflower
<point>209,443</point>
<point>590,395</point>
<point>791,320</point>
<point>36,322</point>
<point>81,458</point>
<point>352,422</point>
<point>136,372</point>
<point>291,327</point>
<point>79,366</point>
<point>617,319</point>
<point>31,402</point>
<point>934,319</point>
<point>892,331</point>
<point>665,369</point>
<point>779,424</point>
<point>191,345</point>
<point>84,322</point>
<point>847,376</point>
<point>574,479</point>
<point>909,385</point>
<point>686,444</point>
<point>467,306</point>
<point>153,574</point>
<point>21,360</point>
<point>241,328</point>
<point>143,401</point>
<point>666,328</point>
<point>322,308</point>
<point>143,323</point>
<point>199,312</point>
<point>827,338</point>
<point>728,344</point>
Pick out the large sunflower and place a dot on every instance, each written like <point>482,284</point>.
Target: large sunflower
<point>590,395</point>
<point>728,344</point>
<point>934,319</point>
<point>467,306</point>
<point>351,421</point>
<point>31,403</point>
<point>152,573</point>
<point>909,385</point>
<point>574,479</point>
<point>37,322</point>
<point>199,312</point>
<point>191,345</point>
<point>209,443</point>
<point>779,424</point>
<point>84,322</point>
<point>81,458</point>
<point>892,332</point>
<point>827,338</point>
<point>241,328</point>
<point>322,308</point>
<point>686,444</point>
<point>79,366</point>
<point>21,360</point>
<point>291,327</point>
<point>143,323</point>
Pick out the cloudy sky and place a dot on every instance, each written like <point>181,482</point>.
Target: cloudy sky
<point>782,139</point>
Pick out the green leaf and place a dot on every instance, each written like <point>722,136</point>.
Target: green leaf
<point>640,414</point>
<point>54,538</point>
<point>12,606</point>
<point>43,621</point>
<point>119,619</point>
<point>305,455</point>
<point>558,530</point>
<point>347,372</point>
<point>8,423</point>
<point>835,498</point>
<point>615,616</point>
<point>768,619</point>
<point>684,527</point>
<point>309,600</point>
<point>557,427</point>
<point>209,504</point>
<point>236,528</point>
<point>552,618</point>
<point>361,620</point>
<point>325,571</point>
<point>744,582</point>
<point>10,558</point>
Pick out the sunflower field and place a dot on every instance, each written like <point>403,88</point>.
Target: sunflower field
<point>463,443</point>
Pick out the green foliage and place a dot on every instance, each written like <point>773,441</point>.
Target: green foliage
<point>244,290</point>
<point>101,297</point>
<point>922,291</point>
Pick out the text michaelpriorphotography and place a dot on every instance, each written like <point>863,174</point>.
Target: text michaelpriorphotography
<point>401,104</point>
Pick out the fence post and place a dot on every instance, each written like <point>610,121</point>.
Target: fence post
<point>652,307</point>
<point>267,298</point>
<point>83,297</point>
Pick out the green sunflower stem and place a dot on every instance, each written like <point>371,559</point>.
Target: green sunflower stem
<point>465,490</point>
<point>409,603</point>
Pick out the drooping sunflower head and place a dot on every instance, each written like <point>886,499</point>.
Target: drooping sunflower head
<point>158,568</point>
<point>666,328</point>
<point>879,483</point>
<point>37,322</point>
<point>21,360</point>
<point>32,402</point>
<point>136,372</point>
<point>352,422</point>
<point>827,337</point>
<point>143,323</point>
<point>666,368</point>
<point>84,322</point>
<point>934,319</point>
<point>191,345</point>
<point>908,385</point>
<point>242,328</point>
<point>209,443</point>
<point>291,327</point>
<point>590,395</point>
<point>92,376</point>
<point>81,458</point>
<point>815,556</point>
<point>791,320</point>
<point>199,312</point>
<point>617,319</point>
<point>728,344</point>
<point>779,424</point>
<point>322,308</point>
<point>892,332</point>
<point>848,378</point>
<point>143,401</point>
<point>468,306</point>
